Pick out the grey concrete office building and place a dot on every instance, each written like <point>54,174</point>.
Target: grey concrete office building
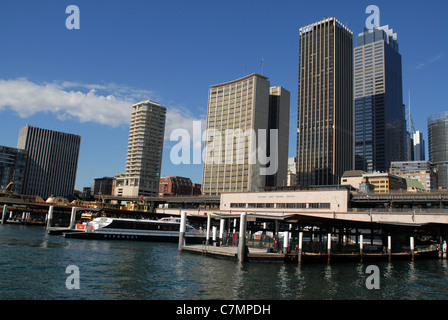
<point>438,146</point>
<point>52,162</point>
<point>325,106</point>
<point>380,121</point>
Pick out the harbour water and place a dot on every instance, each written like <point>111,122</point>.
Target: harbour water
<point>33,266</point>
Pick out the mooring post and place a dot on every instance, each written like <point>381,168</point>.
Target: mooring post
<point>242,241</point>
<point>444,251</point>
<point>300,247</point>
<point>329,246</point>
<point>183,223</point>
<point>215,229</point>
<point>207,239</point>
<point>73,218</point>
<point>221,230</point>
<point>361,246</point>
<point>412,247</point>
<point>50,217</point>
<point>389,247</point>
<point>5,211</point>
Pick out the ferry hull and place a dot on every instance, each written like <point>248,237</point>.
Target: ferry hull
<point>133,237</point>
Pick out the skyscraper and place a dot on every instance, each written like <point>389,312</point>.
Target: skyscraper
<point>244,116</point>
<point>419,146</point>
<point>380,124</point>
<point>52,161</point>
<point>438,146</point>
<point>325,106</point>
<point>12,169</point>
<point>145,147</point>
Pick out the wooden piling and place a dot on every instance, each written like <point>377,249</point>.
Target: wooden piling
<point>411,240</point>
<point>329,247</point>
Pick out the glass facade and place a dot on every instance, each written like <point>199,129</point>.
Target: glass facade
<point>12,169</point>
<point>438,146</point>
<point>379,111</point>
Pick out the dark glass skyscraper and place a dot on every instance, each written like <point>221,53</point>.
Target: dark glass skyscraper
<point>438,146</point>
<point>379,111</point>
<point>325,106</point>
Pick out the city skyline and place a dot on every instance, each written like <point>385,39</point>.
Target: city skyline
<point>118,58</point>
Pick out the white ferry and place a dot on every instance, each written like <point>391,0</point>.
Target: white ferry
<point>164,230</point>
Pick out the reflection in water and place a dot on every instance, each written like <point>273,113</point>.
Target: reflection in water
<point>33,266</point>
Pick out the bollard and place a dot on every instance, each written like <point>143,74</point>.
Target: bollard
<point>50,217</point>
<point>183,223</point>
<point>300,247</point>
<point>5,211</point>
<point>242,241</point>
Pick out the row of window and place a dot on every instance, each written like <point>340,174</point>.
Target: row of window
<point>282,205</point>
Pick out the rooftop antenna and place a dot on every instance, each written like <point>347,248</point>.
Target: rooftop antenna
<point>262,62</point>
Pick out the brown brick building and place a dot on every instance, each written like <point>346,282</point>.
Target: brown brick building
<point>175,186</point>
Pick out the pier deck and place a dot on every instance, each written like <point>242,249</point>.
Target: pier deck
<point>260,255</point>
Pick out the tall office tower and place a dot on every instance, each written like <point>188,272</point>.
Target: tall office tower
<point>380,124</point>
<point>325,113</point>
<point>419,146</point>
<point>12,169</point>
<point>438,146</point>
<point>145,147</point>
<point>52,161</point>
<point>238,110</point>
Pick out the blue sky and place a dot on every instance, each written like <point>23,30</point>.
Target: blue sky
<point>85,81</point>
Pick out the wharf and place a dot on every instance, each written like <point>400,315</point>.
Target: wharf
<point>262,255</point>
<point>224,252</point>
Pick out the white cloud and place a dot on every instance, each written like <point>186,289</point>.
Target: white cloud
<point>435,59</point>
<point>28,98</point>
<point>107,104</point>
